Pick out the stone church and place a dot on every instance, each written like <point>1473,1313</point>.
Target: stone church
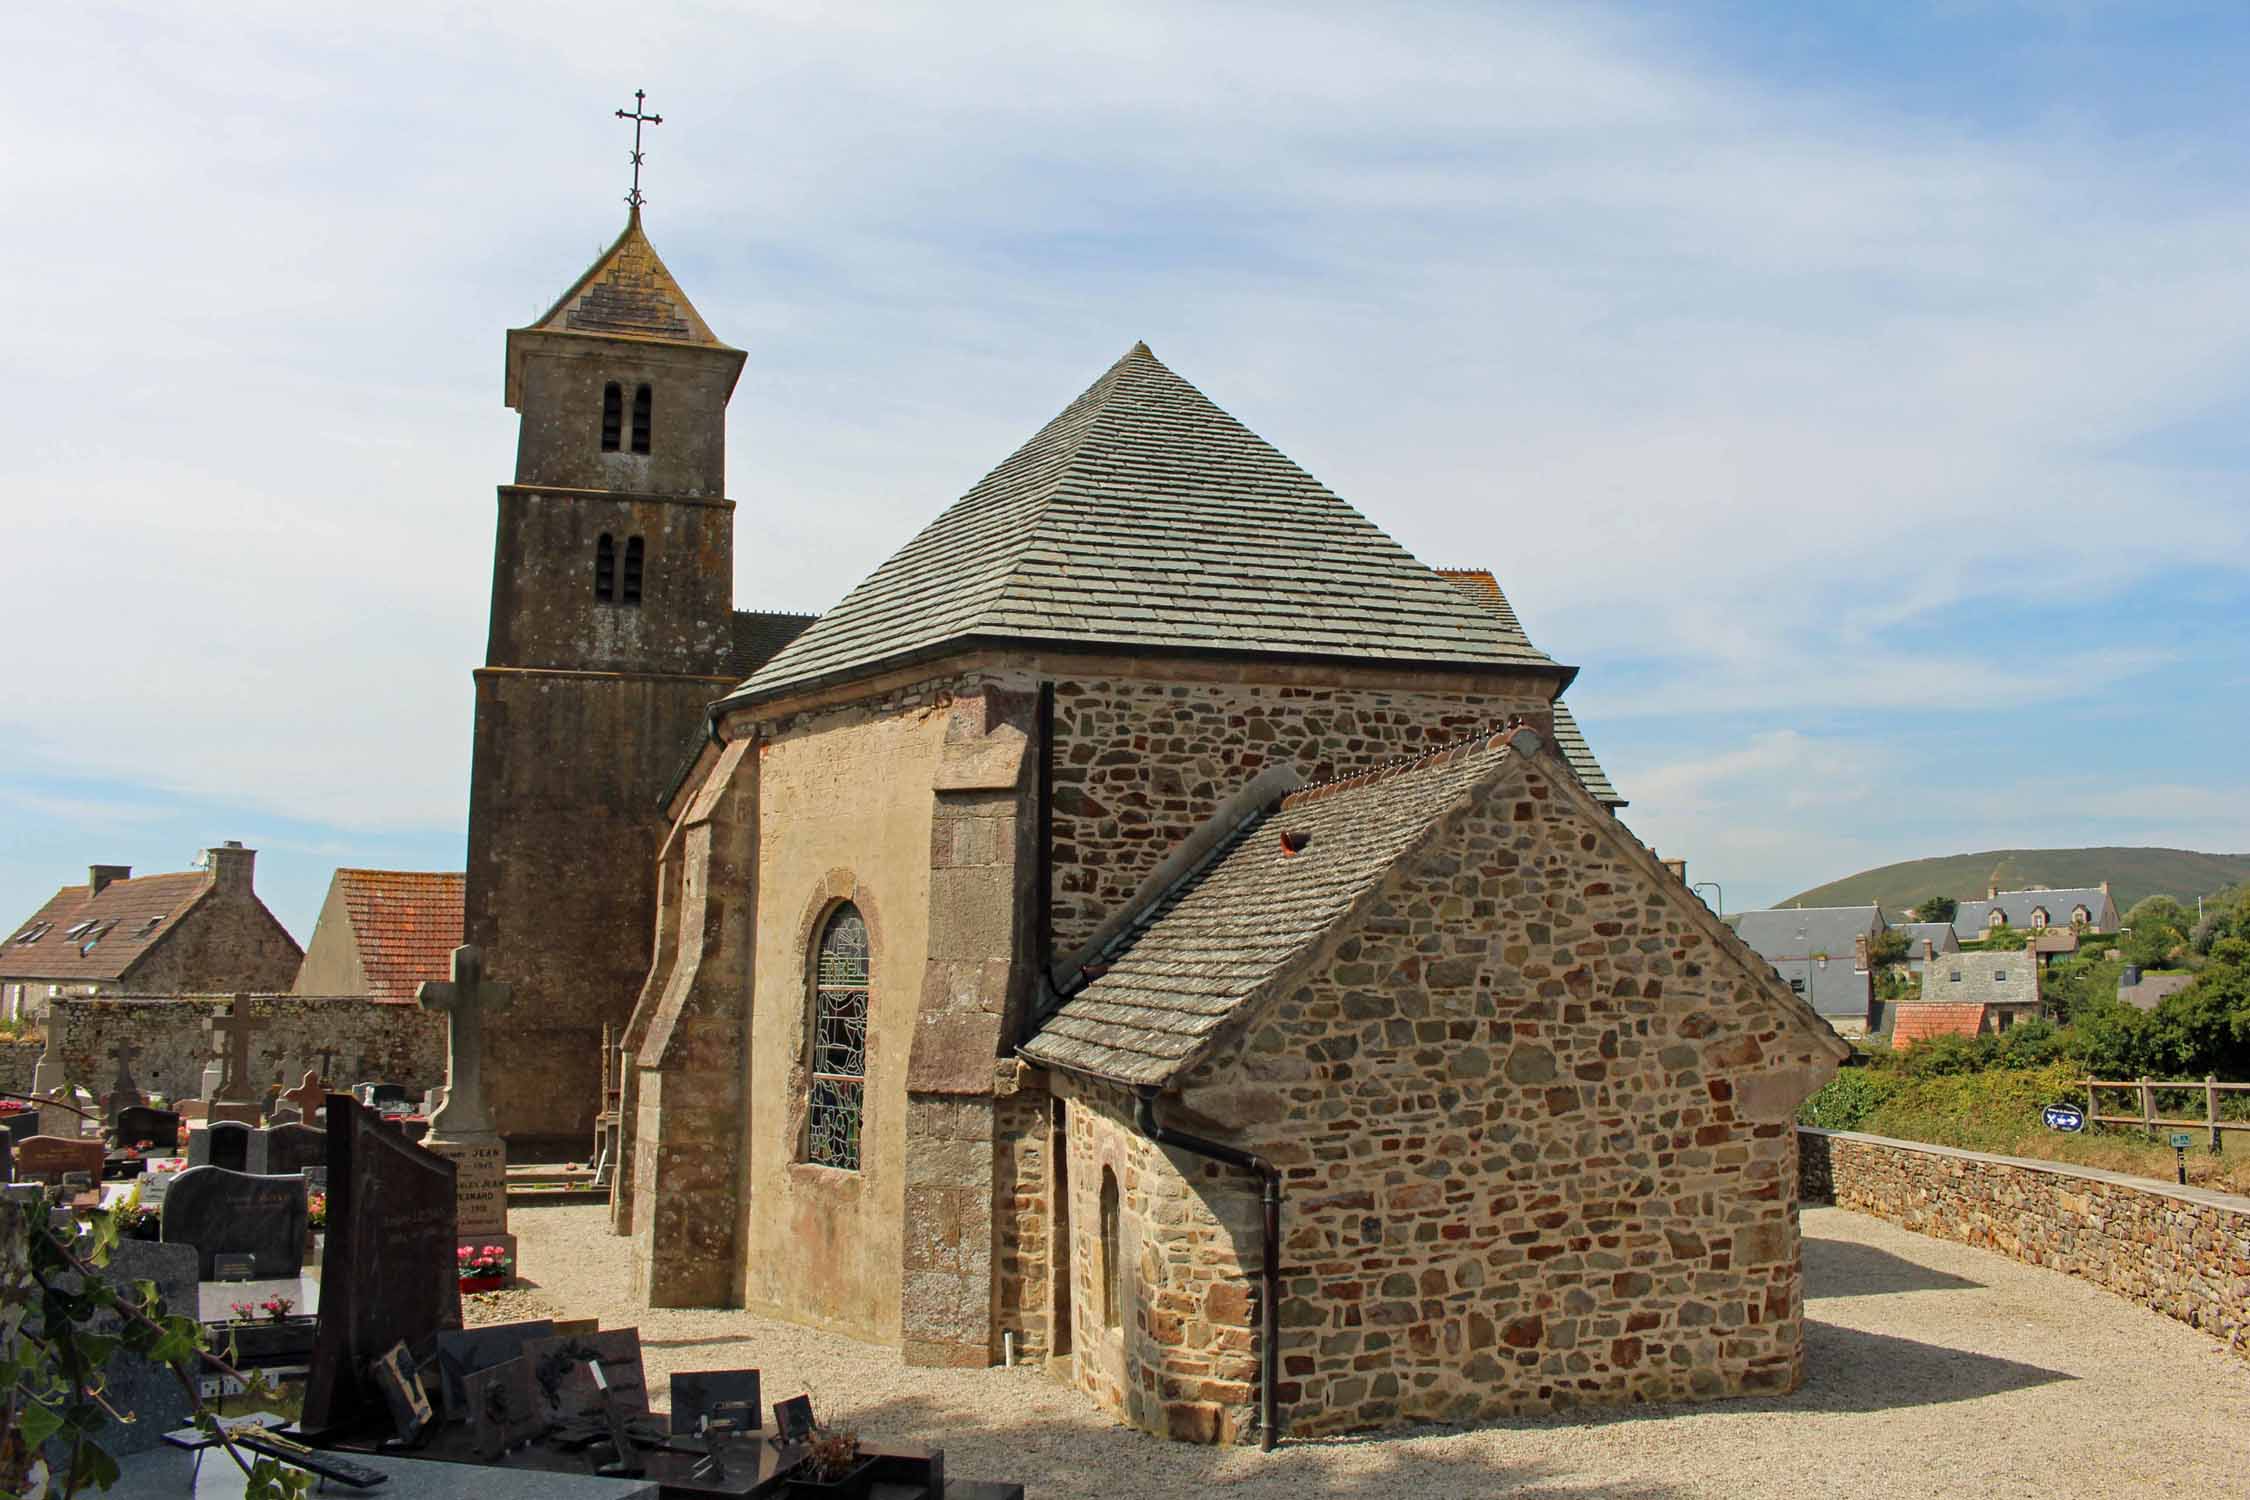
<point>1152,923</point>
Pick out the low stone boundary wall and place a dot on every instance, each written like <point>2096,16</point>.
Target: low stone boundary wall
<point>2185,1252</point>
<point>373,1041</point>
<point>17,1061</point>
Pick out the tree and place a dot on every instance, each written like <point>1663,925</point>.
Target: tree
<point>1885,948</point>
<point>2006,939</point>
<point>2158,932</point>
<point>1936,909</point>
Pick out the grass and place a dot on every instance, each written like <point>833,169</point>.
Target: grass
<point>2132,874</point>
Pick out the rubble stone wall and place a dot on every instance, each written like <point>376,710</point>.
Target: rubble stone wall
<point>2184,1252</point>
<point>1533,1115</point>
<point>374,1041</point>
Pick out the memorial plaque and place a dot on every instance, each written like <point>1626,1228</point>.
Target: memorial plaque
<point>159,1128</point>
<point>401,1385</point>
<point>388,1273</point>
<point>729,1396</point>
<point>288,1148</point>
<point>568,1388</point>
<point>232,1267</point>
<point>153,1186</point>
<point>464,1351</point>
<point>222,1143</point>
<point>236,1213</point>
<point>49,1158</point>
<point>793,1420</point>
<point>483,1177</point>
<point>504,1408</point>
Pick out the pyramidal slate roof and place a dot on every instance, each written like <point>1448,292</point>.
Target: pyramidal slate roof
<point>628,293</point>
<point>1146,517</point>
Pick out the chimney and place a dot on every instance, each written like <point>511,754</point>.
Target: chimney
<point>231,865</point>
<point>1992,890</point>
<point>1859,952</point>
<point>1929,949</point>
<point>1678,867</point>
<point>2105,887</point>
<point>98,876</point>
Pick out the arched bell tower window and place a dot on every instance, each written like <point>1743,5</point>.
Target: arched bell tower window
<point>613,416</point>
<point>839,1041</point>
<point>630,593</point>
<point>605,569</point>
<point>643,418</point>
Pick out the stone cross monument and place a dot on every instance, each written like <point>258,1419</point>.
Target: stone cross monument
<point>47,1082</point>
<point>123,1089</point>
<point>461,1129</point>
<point>309,1098</point>
<point>231,1033</point>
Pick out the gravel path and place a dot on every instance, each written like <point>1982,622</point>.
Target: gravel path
<point>1935,1370</point>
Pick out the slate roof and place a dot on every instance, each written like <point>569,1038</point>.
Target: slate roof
<point>405,925</point>
<point>1144,517</point>
<point>1981,979</point>
<point>1969,917</point>
<point>130,917</point>
<point>1215,942</point>
<point>1940,934</point>
<point>759,636</point>
<point>1918,1023</point>
<point>1479,585</point>
<point>1801,932</point>
<point>628,293</point>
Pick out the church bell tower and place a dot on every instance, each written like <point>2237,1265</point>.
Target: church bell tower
<point>612,629</point>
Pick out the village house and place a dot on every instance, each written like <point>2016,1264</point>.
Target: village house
<point>1971,994</point>
<point>1151,743</point>
<point>200,931</point>
<point>1821,953</point>
<point>2081,908</point>
<point>381,933</point>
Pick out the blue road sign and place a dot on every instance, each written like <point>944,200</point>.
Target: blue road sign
<point>2065,1117</point>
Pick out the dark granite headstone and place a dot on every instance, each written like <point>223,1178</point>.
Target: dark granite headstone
<point>559,1366</point>
<point>222,1143</point>
<point>504,1408</point>
<point>288,1148</point>
<point>462,1352</point>
<point>149,1393</point>
<point>387,1271</point>
<point>138,1123</point>
<point>284,1114</point>
<point>696,1393</point>
<point>49,1158</point>
<point>21,1124</point>
<point>236,1213</point>
<point>7,1157</point>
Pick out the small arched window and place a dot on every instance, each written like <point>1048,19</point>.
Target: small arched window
<point>1996,918</point>
<point>2079,916</point>
<point>613,416</point>
<point>630,591</point>
<point>1113,1294</point>
<point>643,414</point>
<point>2039,919</point>
<point>605,569</point>
<point>839,1041</point>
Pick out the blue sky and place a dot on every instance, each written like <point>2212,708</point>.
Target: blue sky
<point>1857,394</point>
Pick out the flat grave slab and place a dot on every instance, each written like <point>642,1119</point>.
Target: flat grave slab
<point>215,1299</point>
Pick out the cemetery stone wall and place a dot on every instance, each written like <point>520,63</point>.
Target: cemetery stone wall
<point>372,1040</point>
<point>18,1059</point>
<point>2182,1251</point>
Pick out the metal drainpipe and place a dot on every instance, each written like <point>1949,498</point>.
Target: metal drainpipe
<point>1269,1319</point>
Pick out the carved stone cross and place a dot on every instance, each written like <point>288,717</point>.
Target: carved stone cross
<point>124,1052</point>
<point>308,1097</point>
<point>466,999</point>
<point>232,1032</point>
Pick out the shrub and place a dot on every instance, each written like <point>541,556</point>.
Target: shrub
<point>1849,1098</point>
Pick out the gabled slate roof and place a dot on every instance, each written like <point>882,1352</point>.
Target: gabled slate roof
<point>1969,917</point>
<point>405,925</point>
<point>1144,517</point>
<point>1479,585</point>
<point>1802,932</point>
<point>83,934</point>
<point>1205,949</point>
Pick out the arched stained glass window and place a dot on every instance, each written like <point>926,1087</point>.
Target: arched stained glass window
<point>839,1041</point>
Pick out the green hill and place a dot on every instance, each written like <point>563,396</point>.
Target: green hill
<point>2131,873</point>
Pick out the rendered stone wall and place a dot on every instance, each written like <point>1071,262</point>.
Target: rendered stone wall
<point>2184,1252</point>
<point>374,1042</point>
<point>1142,760</point>
<point>1532,1112</point>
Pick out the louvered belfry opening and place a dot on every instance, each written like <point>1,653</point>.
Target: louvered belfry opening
<point>644,411</point>
<point>631,592</point>
<point>605,569</point>
<point>613,416</point>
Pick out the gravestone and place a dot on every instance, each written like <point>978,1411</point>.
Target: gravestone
<point>503,1408</point>
<point>48,1158</point>
<point>154,1185</point>
<point>231,1033</point>
<point>559,1366</point>
<point>461,1129</point>
<point>124,1092</point>
<point>284,1114</point>
<point>384,1098</point>
<point>194,1110</point>
<point>287,1148</point>
<point>137,1123</point>
<point>307,1098</point>
<point>723,1395</point>
<point>222,1143</point>
<point>149,1392</point>
<point>462,1352</point>
<point>387,1272</point>
<point>48,1083</point>
<point>236,1213</point>
<point>21,1124</point>
<point>214,1075</point>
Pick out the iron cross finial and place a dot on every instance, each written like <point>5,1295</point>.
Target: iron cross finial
<point>639,118</point>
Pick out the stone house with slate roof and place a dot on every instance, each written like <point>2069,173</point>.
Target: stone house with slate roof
<point>382,933</point>
<point>197,931</point>
<point>1050,727</point>
<point>1821,953</point>
<point>2081,908</point>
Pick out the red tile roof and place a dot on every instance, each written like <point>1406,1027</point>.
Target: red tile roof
<point>405,923</point>
<point>128,917</point>
<point>1920,1022</point>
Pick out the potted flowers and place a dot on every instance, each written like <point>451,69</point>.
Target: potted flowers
<point>833,1468</point>
<point>483,1268</point>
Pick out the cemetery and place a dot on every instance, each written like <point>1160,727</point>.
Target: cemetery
<point>322,1239</point>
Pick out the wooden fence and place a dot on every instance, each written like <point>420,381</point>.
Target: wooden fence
<point>2145,1089</point>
